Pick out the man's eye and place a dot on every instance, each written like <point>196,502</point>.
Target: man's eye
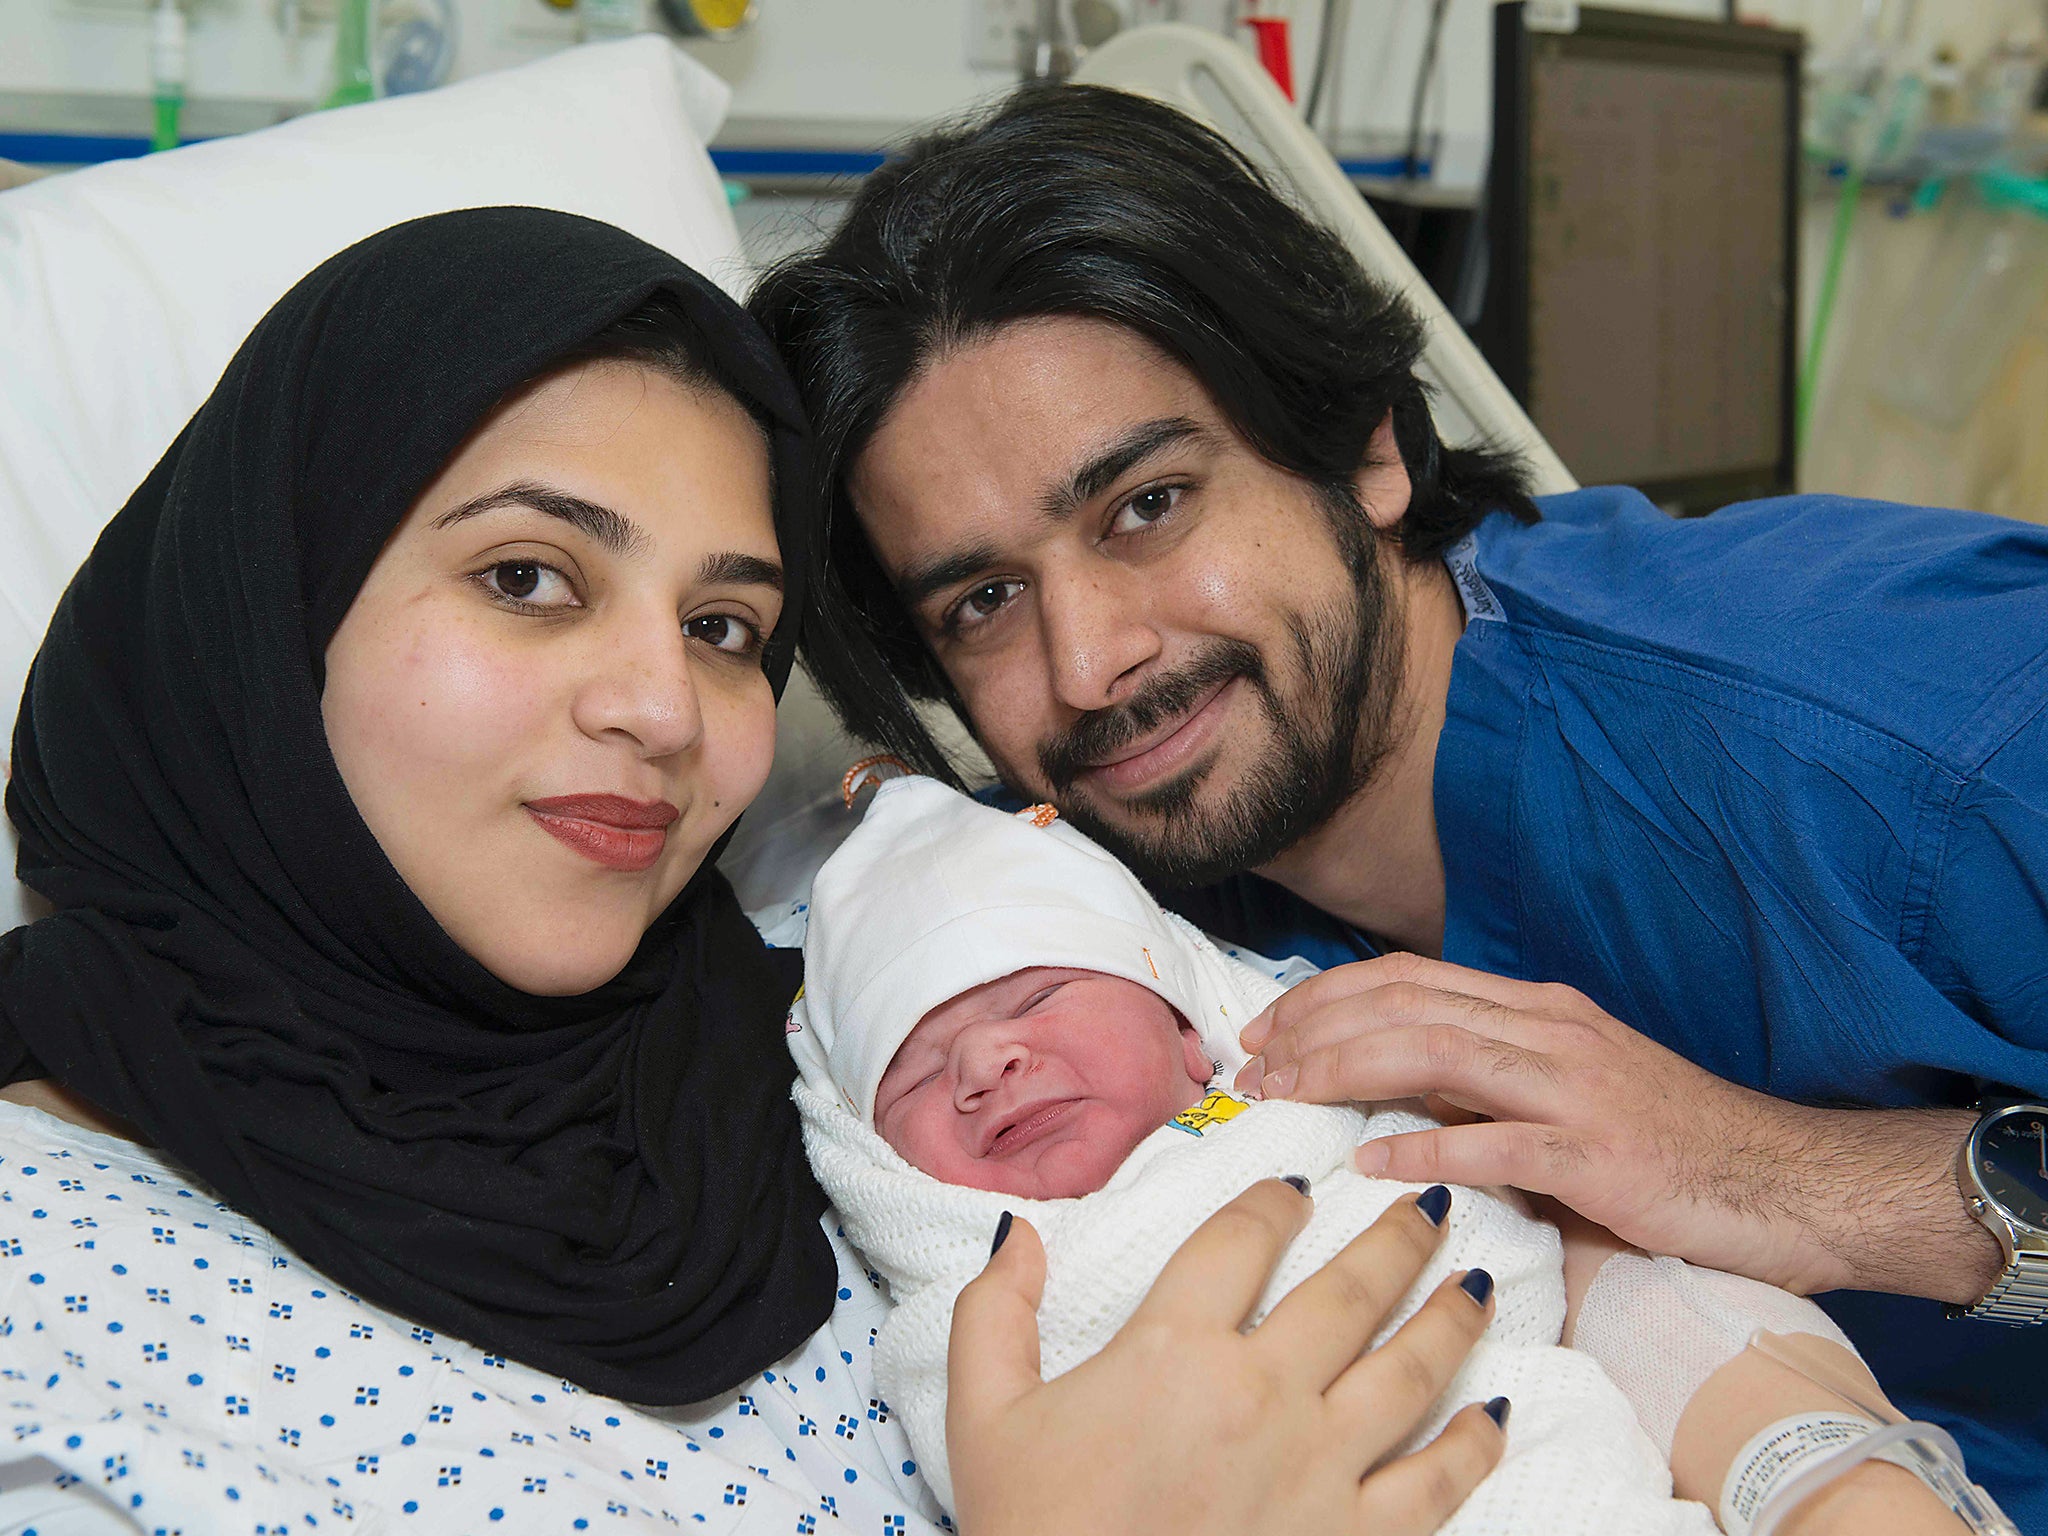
<point>1146,508</point>
<point>983,603</point>
<point>528,584</point>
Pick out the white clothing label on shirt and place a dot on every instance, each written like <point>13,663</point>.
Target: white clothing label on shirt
<point>1779,1452</point>
<point>1462,560</point>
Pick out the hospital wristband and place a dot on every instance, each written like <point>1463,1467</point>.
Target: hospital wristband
<point>1785,1463</point>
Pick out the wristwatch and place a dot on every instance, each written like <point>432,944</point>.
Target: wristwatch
<point>2004,1177</point>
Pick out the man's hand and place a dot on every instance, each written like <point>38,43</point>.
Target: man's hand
<point>1577,1105</point>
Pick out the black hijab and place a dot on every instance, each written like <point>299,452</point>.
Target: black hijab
<point>610,1187</point>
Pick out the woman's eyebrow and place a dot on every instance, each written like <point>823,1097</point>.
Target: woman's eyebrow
<point>733,569</point>
<point>613,531</point>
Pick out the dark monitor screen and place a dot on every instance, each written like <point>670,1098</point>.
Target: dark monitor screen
<point>1641,235</point>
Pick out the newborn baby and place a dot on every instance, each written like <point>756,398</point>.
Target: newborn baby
<point>997,1016</point>
<point>1040,1083</point>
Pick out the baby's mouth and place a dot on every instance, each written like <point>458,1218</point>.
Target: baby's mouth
<point>1029,1126</point>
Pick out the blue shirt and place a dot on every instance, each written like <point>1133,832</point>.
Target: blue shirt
<point>1771,787</point>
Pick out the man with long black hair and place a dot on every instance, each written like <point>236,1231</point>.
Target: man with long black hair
<point>1705,862</point>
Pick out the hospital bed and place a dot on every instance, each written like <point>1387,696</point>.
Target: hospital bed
<point>1221,85</point>
<point>125,288</point>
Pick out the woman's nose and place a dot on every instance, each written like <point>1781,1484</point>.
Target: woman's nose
<point>1098,635</point>
<point>640,687</point>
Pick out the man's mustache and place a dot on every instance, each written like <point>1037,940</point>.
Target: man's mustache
<point>1103,733</point>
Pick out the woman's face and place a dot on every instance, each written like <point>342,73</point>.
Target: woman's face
<point>547,700</point>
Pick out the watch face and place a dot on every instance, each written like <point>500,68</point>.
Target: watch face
<point>2012,1162</point>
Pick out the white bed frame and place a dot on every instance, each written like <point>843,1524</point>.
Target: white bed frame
<point>1206,77</point>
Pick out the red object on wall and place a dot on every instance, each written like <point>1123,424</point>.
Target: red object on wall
<point>1274,53</point>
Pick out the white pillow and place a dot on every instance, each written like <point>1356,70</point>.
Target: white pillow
<point>125,288</point>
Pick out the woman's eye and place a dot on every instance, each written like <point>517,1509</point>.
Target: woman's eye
<point>724,632</point>
<point>529,584</point>
<point>1146,508</point>
<point>983,603</point>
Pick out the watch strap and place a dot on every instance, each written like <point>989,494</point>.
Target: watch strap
<point>2020,1295</point>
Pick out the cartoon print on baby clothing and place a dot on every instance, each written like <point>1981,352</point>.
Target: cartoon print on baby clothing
<point>1217,1108</point>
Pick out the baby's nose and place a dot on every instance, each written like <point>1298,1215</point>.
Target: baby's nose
<point>988,1057</point>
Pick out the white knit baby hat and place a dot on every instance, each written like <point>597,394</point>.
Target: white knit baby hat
<point>936,893</point>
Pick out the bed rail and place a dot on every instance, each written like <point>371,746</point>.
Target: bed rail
<point>1205,76</point>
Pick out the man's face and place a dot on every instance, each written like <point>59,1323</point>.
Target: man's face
<point>1173,639</point>
<point>1039,1084</point>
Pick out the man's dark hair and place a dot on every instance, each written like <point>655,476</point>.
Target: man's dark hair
<point>1080,201</point>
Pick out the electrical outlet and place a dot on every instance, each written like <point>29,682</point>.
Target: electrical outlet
<point>994,28</point>
<point>540,21</point>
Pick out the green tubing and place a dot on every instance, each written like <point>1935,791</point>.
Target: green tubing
<point>2004,189</point>
<point>165,136</point>
<point>1824,305</point>
<point>352,82</point>
<point>1885,146</point>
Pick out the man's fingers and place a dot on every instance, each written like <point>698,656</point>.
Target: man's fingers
<point>1223,1267</point>
<point>1490,1076</point>
<point>1441,1108</point>
<point>1320,1326</point>
<point>993,1357</point>
<point>1342,981</point>
<point>1418,1493</point>
<point>1537,1158</point>
<point>1383,1395</point>
<point>1404,1004</point>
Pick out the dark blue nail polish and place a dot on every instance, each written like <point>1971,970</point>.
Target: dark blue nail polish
<point>1300,1184</point>
<point>1435,1203</point>
<point>1478,1285</point>
<point>1497,1410</point>
<point>1002,1231</point>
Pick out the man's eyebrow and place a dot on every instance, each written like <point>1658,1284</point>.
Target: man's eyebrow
<point>612,530</point>
<point>1091,479</point>
<point>733,569</point>
<point>923,580</point>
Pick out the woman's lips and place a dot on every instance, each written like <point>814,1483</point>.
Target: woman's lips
<point>1169,752</point>
<point>608,829</point>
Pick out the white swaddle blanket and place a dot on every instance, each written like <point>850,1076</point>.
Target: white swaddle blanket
<point>972,895</point>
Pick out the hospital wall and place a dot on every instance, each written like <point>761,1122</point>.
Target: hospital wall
<point>806,73</point>
<point>859,74</point>
<point>836,74</point>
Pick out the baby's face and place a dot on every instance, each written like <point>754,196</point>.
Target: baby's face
<point>1040,1084</point>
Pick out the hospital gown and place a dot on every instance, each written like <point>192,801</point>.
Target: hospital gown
<point>168,1366</point>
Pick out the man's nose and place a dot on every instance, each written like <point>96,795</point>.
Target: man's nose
<point>1099,635</point>
<point>639,687</point>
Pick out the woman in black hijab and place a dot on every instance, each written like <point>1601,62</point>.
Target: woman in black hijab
<point>374,765</point>
<point>609,1184</point>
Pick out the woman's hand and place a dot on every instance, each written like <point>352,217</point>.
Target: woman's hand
<point>1186,1423</point>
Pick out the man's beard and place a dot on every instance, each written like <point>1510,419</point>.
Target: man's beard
<point>1323,747</point>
